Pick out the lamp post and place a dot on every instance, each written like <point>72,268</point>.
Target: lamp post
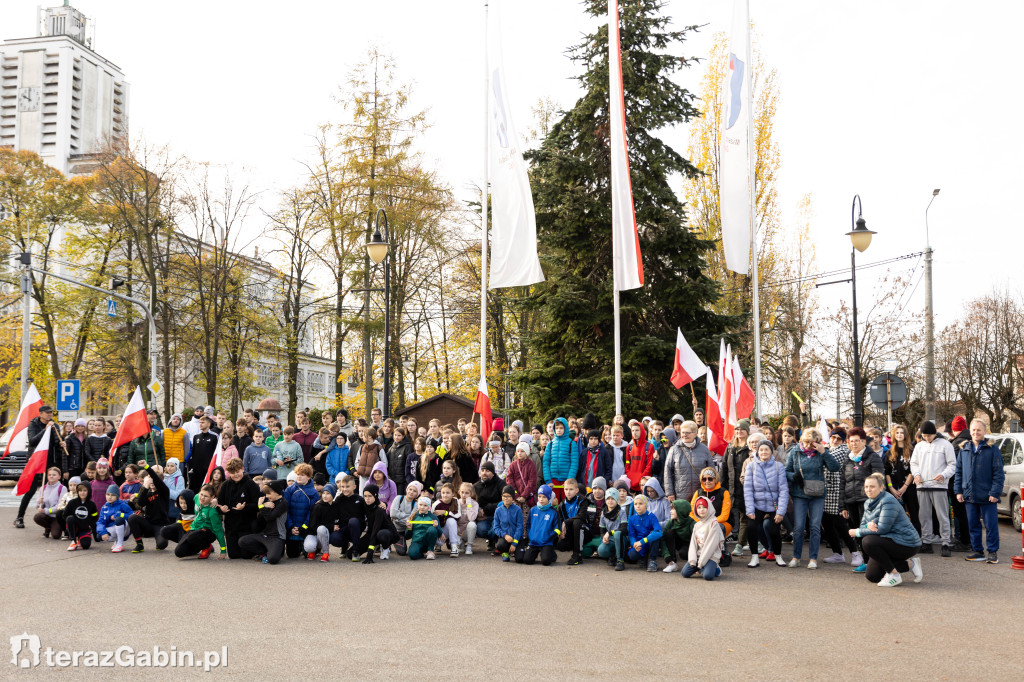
<point>929,321</point>
<point>860,235</point>
<point>377,249</point>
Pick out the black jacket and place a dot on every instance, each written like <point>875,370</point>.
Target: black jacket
<point>732,468</point>
<point>322,514</point>
<point>230,494</point>
<point>36,430</point>
<point>203,447</point>
<point>396,463</point>
<point>273,520</point>
<point>82,511</point>
<point>488,493</point>
<point>377,519</point>
<point>350,508</point>
<point>154,504</point>
<point>468,469</point>
<point>76,458</point>
<point>97,447</point>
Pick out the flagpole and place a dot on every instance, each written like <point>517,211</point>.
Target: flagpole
<point>753,221</point>
<point>483,212</point>
<point>618,343</point>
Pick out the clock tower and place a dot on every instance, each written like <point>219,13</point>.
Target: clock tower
<point>58,97</point>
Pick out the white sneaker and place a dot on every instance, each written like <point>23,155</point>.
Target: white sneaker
<point>836,558</point>
<point>794,563</point>
<point>754,561</point>
<point>738,551</point>
<point>430,555</point>
<point>469,549</point>
<point>812,564</point>
<point>915,568</point>
<point>385,553</point>
<point>857,559</point>
<point>890,580</point>
<point>455,551</point>
<point>671,568</point>
<point>780,561</point>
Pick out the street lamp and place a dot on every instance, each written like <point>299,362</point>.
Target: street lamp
<point>377,250</point>
<point>860,235</point>
<point>929,321</point>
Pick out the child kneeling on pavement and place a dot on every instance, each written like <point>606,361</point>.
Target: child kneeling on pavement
<point>706,544</point>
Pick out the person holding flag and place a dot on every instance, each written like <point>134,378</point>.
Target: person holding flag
<point>37,428</point>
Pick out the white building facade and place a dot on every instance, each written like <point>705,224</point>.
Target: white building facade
<point>59,98</point>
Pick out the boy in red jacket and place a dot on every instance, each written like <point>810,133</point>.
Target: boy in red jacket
<point>639,457</point>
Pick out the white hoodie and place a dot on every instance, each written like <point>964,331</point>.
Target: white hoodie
<point>932,459</point>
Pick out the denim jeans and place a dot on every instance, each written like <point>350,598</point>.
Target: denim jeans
<point>483,529</point>
<point>978,513</point>
<point>650,551</point>
<point>802,508</point>
<point>615,545</point>
<point>709,572</point>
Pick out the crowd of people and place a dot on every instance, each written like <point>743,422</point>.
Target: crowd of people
<point>637,492</point>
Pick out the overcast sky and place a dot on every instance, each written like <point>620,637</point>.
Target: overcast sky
<point>885,99</point>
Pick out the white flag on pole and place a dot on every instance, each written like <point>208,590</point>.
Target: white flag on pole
<point>734,158</point>
<point>626,262</point>
<point>514,260</point>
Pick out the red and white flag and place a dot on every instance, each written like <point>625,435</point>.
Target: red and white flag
<point>482,407</point>
<point>727,394</point>
<point>627,265</point>
<point>687,365</point>
<point>744,394</point>
<point>134,423</point>
<point>713,417</point>
<point>215,461</point>
<point>36,464</point>
<point>29,411</point>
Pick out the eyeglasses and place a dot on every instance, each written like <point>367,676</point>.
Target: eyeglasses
<point>707,478</point>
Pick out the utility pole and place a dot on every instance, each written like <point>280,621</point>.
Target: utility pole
<point>839,415</point>
<point>26,328</point>
<point>929,322</point>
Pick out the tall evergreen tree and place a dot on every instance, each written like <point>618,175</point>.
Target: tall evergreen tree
<point>572,361</point>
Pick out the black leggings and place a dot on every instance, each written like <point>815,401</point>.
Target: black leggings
<point>502,546</point>
<point>837,532</point>
<point>570,542</point>
<point>142,527</point>
<point>774,532</point>
<point>884,555</point>
<point>348,535</point>
<point>676,545</point>
<point>194,542</point>
<point>258,544</point>
<point>37,481</point>
<point>293,546</point>
<point>81,531</point>
<point>856,510</point>
<point>172,533</point>
<point>528,555</point>
<point>50,523</point>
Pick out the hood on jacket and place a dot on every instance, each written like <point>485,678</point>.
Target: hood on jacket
<point>682,508</point>
<point>181,423</point>
<point>190,501</point>
<point>381,467</point>
<point>671,435</point>
<point>565,429</point>
<point>642,440</point>
<point>653,483</point>
<point>677,417</point>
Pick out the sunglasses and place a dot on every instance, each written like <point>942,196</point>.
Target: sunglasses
<point>708,478</point>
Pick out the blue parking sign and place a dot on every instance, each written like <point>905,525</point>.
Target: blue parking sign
<point>67,395</point>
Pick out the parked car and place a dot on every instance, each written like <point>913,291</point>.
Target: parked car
<point>13,464</point>
<point>1012,447</point>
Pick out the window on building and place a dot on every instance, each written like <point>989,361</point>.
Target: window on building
<point>300,380</point>
<point>316,382</point>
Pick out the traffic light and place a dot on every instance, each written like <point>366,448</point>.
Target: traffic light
<point>116,282</point>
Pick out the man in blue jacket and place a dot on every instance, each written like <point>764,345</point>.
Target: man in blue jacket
<point>978,483</point>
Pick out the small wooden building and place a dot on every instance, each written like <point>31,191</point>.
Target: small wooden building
<point>447,407</point>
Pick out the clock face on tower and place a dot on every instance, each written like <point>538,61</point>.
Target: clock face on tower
<point>28,99</point>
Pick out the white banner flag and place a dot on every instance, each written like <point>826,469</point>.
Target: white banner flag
<point>514,260</point>
<point>734,158</point>
<point>626,261</point>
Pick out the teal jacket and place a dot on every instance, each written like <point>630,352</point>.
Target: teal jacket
<point>892,522</point>
<point>812,468</point>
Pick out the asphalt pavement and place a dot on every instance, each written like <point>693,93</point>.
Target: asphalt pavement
<point>474,617</point>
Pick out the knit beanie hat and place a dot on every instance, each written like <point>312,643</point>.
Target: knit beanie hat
<point>622,485</point>
<point>526,438</point>
<point>498,424</point>
<point>330,488</point>
<point>489,466</point>
<point>73,481</point>
<point>80,422</point>
<point>425,500</point>
<point>373,490</point>
<point>269,475</point>
<point>743,424</point>
<point>594,433</point>
<point>613,494</point>
<point>545,490</point>
<point>599,482</point>
<point>523,447</point>
<point>928,428</point>
<point>103,462</point>
<point>959,423</point>
<point>319,478</point>
<point>508,490</point>
<point>518,424</point>
<point>278,486</point>
<point>113,490</point>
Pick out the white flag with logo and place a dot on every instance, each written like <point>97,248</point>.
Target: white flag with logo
<point>627,265</point>
<point>514,260</point>
<point>734,159</point>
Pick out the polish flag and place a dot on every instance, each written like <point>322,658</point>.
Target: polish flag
<point>745,395</point>
<point>728,396</point>
<point>36,464</point>
<point>688,366</point>
<point>713,416</point>
<point>482,407</point>
<point>627,265</point>
<point>29,411</point>
<point>134,423</point>
<point>215,461</point>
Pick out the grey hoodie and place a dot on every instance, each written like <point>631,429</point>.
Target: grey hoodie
<point>401,509</point>
<point>659,506</point>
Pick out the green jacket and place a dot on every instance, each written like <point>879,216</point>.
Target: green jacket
<point>682,525</point>
<point>150,449</point>
<point>420,526</point>
<point>208,518</point>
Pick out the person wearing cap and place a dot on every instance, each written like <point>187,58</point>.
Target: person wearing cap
<point>543,531</point>
<point>959,437</point>
<point>978,484</point>
<point>112,522</point>
<point>74,455</point>
<point>507,525</point>
<point>36,429</point>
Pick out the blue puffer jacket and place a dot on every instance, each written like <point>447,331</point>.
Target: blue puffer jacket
<point>644,528</point>
<point>543,521</point>
<point>110,514</point>
<point>508,521</point>
<point>562,456</point>
<point>979,473</point>
<point>765,487</point>
<point>893,523</point>
<point>300,502</point>
<point>337,460</point>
